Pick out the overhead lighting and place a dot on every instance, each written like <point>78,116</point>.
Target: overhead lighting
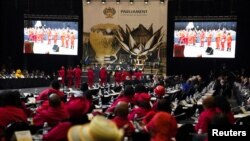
<point>103,1</point>
<point>131,1</point>
<point>146,1</point>
<point>117,1</point>
<point>88,1</point>
<point>162,1</point>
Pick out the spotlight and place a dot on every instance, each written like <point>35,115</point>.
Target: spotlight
<point>88,1</point>
<point>131,1</point>
<point>162,1</point>
<point>103,1</point>
<point>146,1</point>
<point>117,1</point>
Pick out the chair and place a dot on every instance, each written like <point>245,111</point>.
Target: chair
<point>179,50</point>
<point>13,127</point>
<point>28,47</point>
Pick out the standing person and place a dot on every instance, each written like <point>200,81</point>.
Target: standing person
<point>72,40</point>
<point>77,73</point>
<point>69,77</point>
<point>103,76</point>
<point>229,41</point>
<point>90,76</point>
<point>223,40</point>
<point>118,77</point>
<point>209,38</point>
<point>202,38</point>
<point>61,75</point>
<point>217,39</point>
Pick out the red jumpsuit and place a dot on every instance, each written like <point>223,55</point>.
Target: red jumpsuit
<point>202,38</point>
<point>223,40</point>
<point>50,114</point>
<point>118,77</point>
<point>229,41</point>
<point>77,73</point>
<point>70,76</point>
<point>103,76</point>
<point>91,76</point>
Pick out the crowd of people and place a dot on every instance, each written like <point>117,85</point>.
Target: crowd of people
<point>144,110</point>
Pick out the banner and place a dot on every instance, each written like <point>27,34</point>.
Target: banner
<point>125,33</point>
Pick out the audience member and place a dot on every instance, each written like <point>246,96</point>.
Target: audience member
<point>10,109</point>
<point>51,111</point>
<point>54,88</point>
<point>121,118</point>
<point>126,96</point>
<point>162,127</point>
<point>206,115</point>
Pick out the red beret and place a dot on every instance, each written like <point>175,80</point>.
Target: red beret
<point>159,90</point>
<point>143,97</point>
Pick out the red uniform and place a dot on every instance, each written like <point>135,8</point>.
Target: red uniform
<point>61,74</point>
<point>123,98</point>
<point>162,127</point>
<point>138,112</point>
<point>223,40</point>
<point>204,119</point>
<point>78,106</point>
<point>45,93</point>
<point>58,133</point>
<point>217,39</point>
<point>91,77</point>
<point>70,76</point>
<point>72,40</point>
<point>118,77</point>
<point>138,75</point>
<point>77,73</point>
<point>50,114</point>
<point>209,39</point>
<point>202,38</point>
<point>122,122</point>
<point>103,76</point>
<point>11,114</point>
<point>229,41</point>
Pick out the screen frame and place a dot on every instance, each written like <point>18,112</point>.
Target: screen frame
<point>177,19</point>
<point>61,19</point>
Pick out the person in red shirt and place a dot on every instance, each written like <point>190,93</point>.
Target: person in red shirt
<point>118,77</point>
<point>163,105</point>
<point>11,109</point>
<point>103,76</point>
<point>79,104</point>
<point>121,118</point>
<point>52,111</point>
<point>141,108</point>
<point>159,93</point>
<point>202,38</point>
<point>59,132</point>
<point>162,127</point>
<point>77,73</point>
<point>223,40</point>
<point>209,38</point>
<point>229,41</point>
<point>61,75</point>
<point>54,88</point>
<point>69,76</point>
<point>206,116</point>
<point>126,96</point>
<point>90,76</point>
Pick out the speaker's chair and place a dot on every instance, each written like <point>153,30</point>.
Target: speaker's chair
<point>179,50</point>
